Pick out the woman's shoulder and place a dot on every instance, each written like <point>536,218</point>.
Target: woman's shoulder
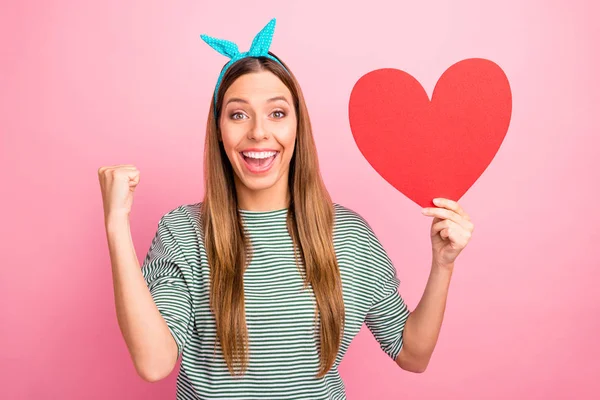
<point>346,217</point>
<point>183,217</point>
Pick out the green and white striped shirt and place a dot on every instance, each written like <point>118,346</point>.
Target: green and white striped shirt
<point>280,312</point>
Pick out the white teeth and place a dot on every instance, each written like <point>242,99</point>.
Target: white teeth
<point>259,155</point>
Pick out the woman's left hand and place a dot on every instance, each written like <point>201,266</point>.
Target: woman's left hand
<point>451,230</point>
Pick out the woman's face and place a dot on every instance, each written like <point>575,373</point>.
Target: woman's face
<point>258,130</point>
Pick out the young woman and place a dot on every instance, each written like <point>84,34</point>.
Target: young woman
<point>262,286</point>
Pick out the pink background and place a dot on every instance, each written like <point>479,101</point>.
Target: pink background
<point>87,84</point>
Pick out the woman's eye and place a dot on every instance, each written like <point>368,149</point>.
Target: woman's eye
<point>240,116</point>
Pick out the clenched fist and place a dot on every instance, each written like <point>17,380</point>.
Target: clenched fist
<point>117,184</point>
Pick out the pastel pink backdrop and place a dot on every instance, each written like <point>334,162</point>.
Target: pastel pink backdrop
<point>87,84</point>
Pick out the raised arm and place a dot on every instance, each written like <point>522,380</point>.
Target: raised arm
<point>422,328</point>
<point>149,340</point>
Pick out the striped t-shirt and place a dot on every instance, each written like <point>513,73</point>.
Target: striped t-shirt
<point>280,312</point>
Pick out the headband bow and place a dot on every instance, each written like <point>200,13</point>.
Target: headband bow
<point>259,48</point>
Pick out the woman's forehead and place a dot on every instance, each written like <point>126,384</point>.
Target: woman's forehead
<point>259,87</point>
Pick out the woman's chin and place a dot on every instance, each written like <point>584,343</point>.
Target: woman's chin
<point>258,184</point>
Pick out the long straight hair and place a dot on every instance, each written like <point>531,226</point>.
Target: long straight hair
<point>310,219</point>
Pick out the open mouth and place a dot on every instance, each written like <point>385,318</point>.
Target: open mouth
<point>259,161</point>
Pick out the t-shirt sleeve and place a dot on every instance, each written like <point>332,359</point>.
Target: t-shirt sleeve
<point>162,270</point>
<point>388,312</point>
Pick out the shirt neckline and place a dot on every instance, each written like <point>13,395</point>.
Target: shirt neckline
<point>261,214</point>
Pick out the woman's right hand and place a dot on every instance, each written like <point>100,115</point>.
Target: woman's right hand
<point>117,184</point>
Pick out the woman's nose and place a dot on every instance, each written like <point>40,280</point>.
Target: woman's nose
<point>258,130</point>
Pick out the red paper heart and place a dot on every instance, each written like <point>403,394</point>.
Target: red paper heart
<point>436,148</point>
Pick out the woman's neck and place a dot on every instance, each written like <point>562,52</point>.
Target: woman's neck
<point>276,197</point>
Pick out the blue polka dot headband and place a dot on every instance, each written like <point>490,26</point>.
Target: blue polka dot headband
<point>259,48</point>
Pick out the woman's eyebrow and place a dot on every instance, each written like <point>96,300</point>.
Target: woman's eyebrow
<point>240,100</point>
<point>272,99</point>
